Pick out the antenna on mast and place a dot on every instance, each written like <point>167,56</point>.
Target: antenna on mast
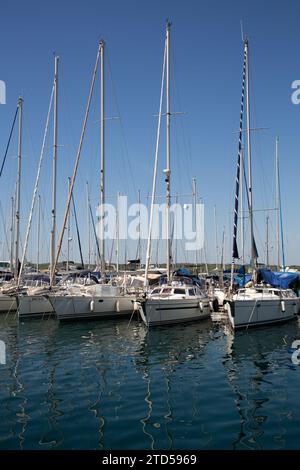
<point>242,31</point>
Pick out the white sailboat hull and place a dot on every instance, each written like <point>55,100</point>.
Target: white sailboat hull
<point>166,311</point>
<point>248,313</point>
<point>90,307</point>
<point>7,303</point>
<point>34,306</point>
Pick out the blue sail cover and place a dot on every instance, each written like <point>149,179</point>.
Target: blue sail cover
<point>278,279</point>
<point>241,280</point>
<point>182,272</point>
<point>241,277</point>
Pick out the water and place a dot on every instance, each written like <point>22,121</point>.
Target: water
<point>102,385</point>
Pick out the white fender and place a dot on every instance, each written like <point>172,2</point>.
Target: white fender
<point>211,306</point>
<point>283,306</point>
<point>117,307</point>
<point>201,306</point>
<point>227,309</point>
<point>136,306</point>
<point>143,317</point>
<point>92,305</point>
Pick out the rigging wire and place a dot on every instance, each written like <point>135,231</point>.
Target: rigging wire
<point>154,182</point>
<point>121,126</point>
<point>76,162</point>
<point>95,233</point>
<point>4,227</point>
<point>77,232</point>
<point>36,187</point>
<point>185,139</point>
<point>8,143</point>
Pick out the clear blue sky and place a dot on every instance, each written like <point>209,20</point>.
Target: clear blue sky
<point>206,71</point>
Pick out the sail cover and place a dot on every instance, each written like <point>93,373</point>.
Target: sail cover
<point>235,253</point>
<point>277,279</point>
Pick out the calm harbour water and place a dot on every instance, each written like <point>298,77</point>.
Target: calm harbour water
<point>104,385</point>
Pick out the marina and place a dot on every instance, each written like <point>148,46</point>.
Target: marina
<point>149,248</point>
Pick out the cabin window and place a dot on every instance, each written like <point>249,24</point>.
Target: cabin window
<point>156,291</point>
<point>167,290</point>
<point>179,291</point>
<point>191,292</point>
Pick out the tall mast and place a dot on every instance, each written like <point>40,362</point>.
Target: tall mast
<point>18,192</point>
<point>216,237</point>
<point>277,205</point>
<point>88,224</point>
<point>205,258</point>
<point>38,233</point>
<point>224,258</point>
<point>148,252</point>
<point>223,253</point>
<point>281,227</point>
<point>250,187</point>
<point>242,208</point>
<point>102,170</point>
<point>118,234</point>
<point>69,229</point>
<point>138,252</point>
<point>54,171</point>
<point>157,252</point>
<point>76,165</point>
<point>194,190</point>
<point>77,233</point>
<point>168,169</point>
<point>235,254</point>
<point>279,212</point>
<point>12,234</point>
<point>35,190</point>
<point>267,242</point>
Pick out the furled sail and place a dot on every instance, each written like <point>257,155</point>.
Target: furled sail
<point>235,253</point>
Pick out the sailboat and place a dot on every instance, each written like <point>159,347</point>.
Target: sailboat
<point>255,304</point>
<point>179,300</point>
<point>100,300</point>
<point>8,301</point>
<point>31,301</point>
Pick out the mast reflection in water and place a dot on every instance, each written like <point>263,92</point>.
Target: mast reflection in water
<point>110,385</point>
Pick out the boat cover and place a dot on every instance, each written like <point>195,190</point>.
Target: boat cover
<point>277,279</point>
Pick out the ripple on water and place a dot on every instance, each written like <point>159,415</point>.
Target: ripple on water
<point>104,385</point>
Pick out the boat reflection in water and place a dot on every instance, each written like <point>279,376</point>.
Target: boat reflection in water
<point>118,385</point>
<point>265,384</point>
<point>172,394</point>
